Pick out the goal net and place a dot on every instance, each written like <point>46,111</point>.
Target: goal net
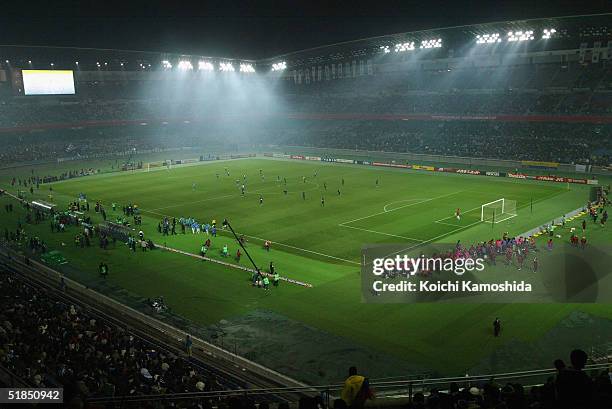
<point>498,211</point>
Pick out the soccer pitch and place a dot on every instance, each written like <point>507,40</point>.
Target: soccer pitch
<point>320,244</point>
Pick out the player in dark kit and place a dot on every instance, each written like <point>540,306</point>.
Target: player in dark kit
<point>322,201</point>
<point>496,327</point>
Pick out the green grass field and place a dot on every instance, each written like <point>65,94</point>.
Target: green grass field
<point>321,246</point>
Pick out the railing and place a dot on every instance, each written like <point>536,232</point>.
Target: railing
<point>383,389</point>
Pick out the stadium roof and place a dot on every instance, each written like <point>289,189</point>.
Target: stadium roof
<point>570,32</point>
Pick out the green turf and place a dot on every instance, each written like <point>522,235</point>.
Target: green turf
<point>321,246</point>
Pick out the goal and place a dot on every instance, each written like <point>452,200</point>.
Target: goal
<point>498,211</point>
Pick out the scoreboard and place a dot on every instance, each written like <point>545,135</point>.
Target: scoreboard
<point>42,82</point>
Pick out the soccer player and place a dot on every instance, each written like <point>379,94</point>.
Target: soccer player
<point>304,179</point>
<point>242,190</point>
<point>338,192</point>
<point>496,327</point>
<point>376,182</point>
<point>285,192</point>
<point>342,181</point>
<point>325,185</point>
<point>303,195</point>
<point>203,251</point>
<point>260,200</point>
<point>322,201</point>
<point>535,265</point>
<point>458,214</point>
<point>193,186</point>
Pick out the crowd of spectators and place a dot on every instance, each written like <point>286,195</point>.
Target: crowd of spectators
<point>91,143</point>
<point>556,142</point>
<point>50,343</point>
<point>541,89</point>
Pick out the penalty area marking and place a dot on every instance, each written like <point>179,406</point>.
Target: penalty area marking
<point>343,224</point>
<point>383,233</point>
<point>463,228</point>
<point>386,207</point>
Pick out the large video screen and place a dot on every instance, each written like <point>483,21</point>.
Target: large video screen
<point>48,82</point>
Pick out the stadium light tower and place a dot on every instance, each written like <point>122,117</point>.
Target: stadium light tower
<point>519,36</point>
<point>247,68</point>
<point>279,66</point>
<point>226,67</point>
<point>205,66</point>
<point>402,47</point>
<point>547,33</point>
<point>434,43</point>
<point>185,65</point>
<point>491,38</point>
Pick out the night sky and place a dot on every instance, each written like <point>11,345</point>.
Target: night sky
<point>250,29</point>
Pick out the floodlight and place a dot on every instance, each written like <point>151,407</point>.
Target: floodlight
<point>279,66</point>
<point>385,49</point>
<point>205,66</point>
<point>489,38</point>
<point>226,66</point>
<point>166,64</point>
<point>518,36</point>
<point>401,47</point>
<point>547,33</point>
<point>185,65</point>
<point>433,43</point>
<point>246,68</point>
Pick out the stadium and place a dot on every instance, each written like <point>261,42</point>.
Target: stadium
<point>199,231</point>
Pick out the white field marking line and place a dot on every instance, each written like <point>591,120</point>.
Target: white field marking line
<point>401,201</point>
<point>273,242</point>
<point>386,234</point>
<point>435,238</point>
<point>450,217</point>
<point>446,224</point>
<point>503,220</point>
<point>301,249</point>
<point>400,207</point>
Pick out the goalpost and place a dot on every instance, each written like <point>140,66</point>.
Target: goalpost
<point>498,210</point>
